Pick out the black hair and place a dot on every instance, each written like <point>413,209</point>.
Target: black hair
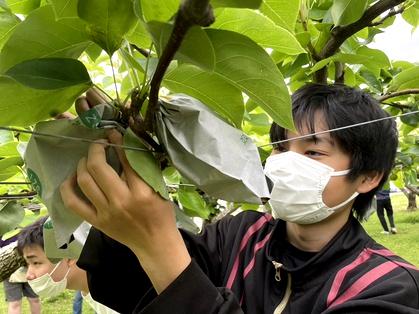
<point>372,146</point>
<point>31,235</point>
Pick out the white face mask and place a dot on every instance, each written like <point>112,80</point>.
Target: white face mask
<point>298,185</point>
<point>45,286</point>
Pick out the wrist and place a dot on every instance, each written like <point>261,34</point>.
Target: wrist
<point>164,259</point>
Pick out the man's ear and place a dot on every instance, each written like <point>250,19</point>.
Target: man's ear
<point>71,262</point>
<point>369,181</point>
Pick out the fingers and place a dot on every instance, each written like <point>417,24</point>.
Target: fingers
<point>76,204</point>
<point>95,97</point>
<point>130,175</point>
<point>104,175</point>
<point>81,105</point>
<point>65,115</point>
<point>89,187</point>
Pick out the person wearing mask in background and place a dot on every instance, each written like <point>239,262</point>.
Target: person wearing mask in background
<point>46,278</point>
<point>384,203</point>
<point>312,256</point>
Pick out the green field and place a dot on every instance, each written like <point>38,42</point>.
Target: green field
<point>62,304</point>
<point>405,244</point>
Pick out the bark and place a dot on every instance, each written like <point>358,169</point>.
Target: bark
<point>10,260</point>
<point>410,192</point>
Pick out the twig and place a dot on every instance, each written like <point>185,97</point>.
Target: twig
<point>340,33</point>
<point>190,13</point>
<point>17,196</point>
<point>399,106</point>
<point>391,13</point>
<point>142,51</point>
<point>399,93</point>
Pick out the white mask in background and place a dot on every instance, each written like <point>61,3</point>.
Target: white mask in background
<point>98,307</point>
<point>45,286</point>
<point>298,185</point>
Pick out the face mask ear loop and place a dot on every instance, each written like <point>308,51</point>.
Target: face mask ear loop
<point>56,266</point>
<point>340,173</point>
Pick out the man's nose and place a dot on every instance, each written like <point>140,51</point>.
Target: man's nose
<point>30,275</point>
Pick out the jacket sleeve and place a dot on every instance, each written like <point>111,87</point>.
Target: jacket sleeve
<point>192,292</point>
<point>397,293</point>
<point>112,269</point>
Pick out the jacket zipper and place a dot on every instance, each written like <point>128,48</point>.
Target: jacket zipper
<point>281,306</point>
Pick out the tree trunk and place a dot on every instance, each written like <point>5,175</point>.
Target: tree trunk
<point>410,193</point>
<point>10,260</point>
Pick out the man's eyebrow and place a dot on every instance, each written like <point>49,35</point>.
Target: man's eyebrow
<point>30,256</point>
<point>320,139</point>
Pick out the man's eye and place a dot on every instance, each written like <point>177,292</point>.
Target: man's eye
<point>313,153</point>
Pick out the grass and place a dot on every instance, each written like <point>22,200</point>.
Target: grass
<point>405,243</point>
<point>62,304</point>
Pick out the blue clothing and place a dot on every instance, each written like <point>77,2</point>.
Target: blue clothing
<point>383,194</point>
<point>77,303</point>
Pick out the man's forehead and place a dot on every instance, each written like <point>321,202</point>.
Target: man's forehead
<point>33,251</point>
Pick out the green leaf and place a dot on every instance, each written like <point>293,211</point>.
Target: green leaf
<point>251,4</point>
<point>152,10</point>
<point>4,6</point>
<point>193,203</point>
<point>282,12</point>
<point>411,16</point>
<point>22,106</point>
<point>9,149</point>
<point>258,28</point>
<point>10,161</point>
<point>246,65</point>
<point>196,48</point>
<point>412,120</point>
<point>41,36</point>
<point>108,21</point>
<point>345,12</point>
<point>11,215</point>
<point>65,8</point>
<point>50,73</point>
<point>145,164</point>
<point>405,80</point>
<point>139,36</point>
<point>8,22</point>
<point>8,172</point>
<point>376,59</point>
<point>6,136</point>
<point>210,88</point>
<point>371,58</point>
<point>23,6</point>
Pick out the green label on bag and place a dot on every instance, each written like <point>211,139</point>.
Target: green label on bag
<point>48,224</point>
<point>244,139</point>
<point>90,118</point>
<point>36,183</point>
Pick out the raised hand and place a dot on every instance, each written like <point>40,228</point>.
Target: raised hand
<point>129,211</point>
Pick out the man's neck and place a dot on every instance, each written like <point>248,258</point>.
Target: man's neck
<point>314,237</point>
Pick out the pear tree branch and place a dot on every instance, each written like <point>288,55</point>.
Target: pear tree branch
<point>190,13</point>
<point>341,33</point>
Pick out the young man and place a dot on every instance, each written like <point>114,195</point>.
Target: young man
<point>49,279</point>
<point>315,257</point>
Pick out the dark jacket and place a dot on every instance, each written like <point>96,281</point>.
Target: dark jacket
<point>244,264</point>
